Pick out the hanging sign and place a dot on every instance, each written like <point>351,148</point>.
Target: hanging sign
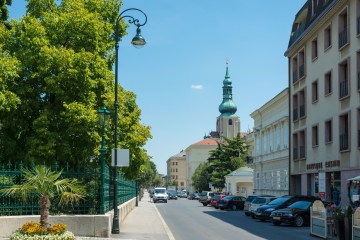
<point>122,158</point>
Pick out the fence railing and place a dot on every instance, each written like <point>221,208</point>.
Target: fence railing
<point>89,175</point>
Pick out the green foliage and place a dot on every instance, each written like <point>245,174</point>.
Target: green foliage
<point>229,156</point>
<point>55,73</point>
<point>171,182</point>
<point>200,178</point>
<point>157,181</point>
<point>147,173</point>
<point>338,213</point>
<point>4,13</point>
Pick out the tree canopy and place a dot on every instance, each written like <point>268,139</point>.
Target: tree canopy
<point>201,178</point>
<point>55,73</point>
<point>227,157</point>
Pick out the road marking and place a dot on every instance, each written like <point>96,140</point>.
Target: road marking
<point>167,229</point>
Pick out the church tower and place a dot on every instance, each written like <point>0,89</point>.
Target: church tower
<point>227,124</point>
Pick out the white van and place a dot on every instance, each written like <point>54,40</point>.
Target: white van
<point>160,194</point>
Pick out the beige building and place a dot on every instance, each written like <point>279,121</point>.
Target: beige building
<point>269,143</point>
<point>324,67</point>
<point>240,182</point>
<point>176,169</point>
<point>195,154</point>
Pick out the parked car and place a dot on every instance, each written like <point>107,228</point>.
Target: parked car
<point>205,197</point>
<point>215,200</point>
<point>257,202</point>
<point>263,212</point>
<point>183,194</point>
<point>297,214</point>
<point>232,202</point>
<point>160,194</point>
<point>172,195</point>
<point>248,201</point>
<point>193,196</point>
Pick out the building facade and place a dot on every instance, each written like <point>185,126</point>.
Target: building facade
<point>269,146</point>
<point>240,182</point>
<point>176,169</point>
<point>324,84</point>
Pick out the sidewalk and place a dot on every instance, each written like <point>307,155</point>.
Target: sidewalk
<point>143,222</point>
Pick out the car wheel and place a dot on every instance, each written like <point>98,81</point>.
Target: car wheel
<point>233,207</point>
<point>261,219</point>
<point>205,204</point>
<point>276,223</point>
<point>154,201</point>
<point>253,216</point>
<point>216,207</point>
<point>299,221</point>
<point>247,214</point>
<point>221,208</point>
<point>165,201</point>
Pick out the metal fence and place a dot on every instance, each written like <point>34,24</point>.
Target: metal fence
<point>98,199</point>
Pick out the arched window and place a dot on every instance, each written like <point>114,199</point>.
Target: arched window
<point>230,122</point>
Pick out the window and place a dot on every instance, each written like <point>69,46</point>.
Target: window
<point>295,147</point>
<point>301,64</point>
<point>344,130</point>
<point>302,102</point>
<point>295,69</point>
<point>315,136</point>
<point>176,163</point>
<point>302,146</point>
<point>358,70</point>
<point>314,88</point>
<point>314,49</point>
<point>358,128</point>
<point>230,122</point>
<point>343,29</point>
<point>295,108</point>
<point>176,170</point>
<point>358,17</point>
<point>314,6</point>
<point>328,83</point>
<point>328,131</point>
<point>286,135</point>
<point>344,80</point>
<point>327,37</point>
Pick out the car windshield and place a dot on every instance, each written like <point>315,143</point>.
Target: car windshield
<point>301,205</point>
<point>250,198</point>
<point>160,190</point>
<point>278,201</point>
<point>204,194</point>
<point>228,197</point>
<point>259,200</point>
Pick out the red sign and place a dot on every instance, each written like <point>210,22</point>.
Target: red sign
<point>322,195</point>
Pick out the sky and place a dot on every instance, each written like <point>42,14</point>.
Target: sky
<point>177,76</point>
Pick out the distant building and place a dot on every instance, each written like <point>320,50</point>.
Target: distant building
<point>324,86</point>
<point>176,169</point>
<point>269,150</point>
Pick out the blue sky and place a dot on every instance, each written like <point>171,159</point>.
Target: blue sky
<point>178,75</point>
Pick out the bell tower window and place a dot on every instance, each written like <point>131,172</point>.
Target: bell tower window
<point>230,122</point>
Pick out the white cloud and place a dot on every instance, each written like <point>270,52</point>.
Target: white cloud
<point>197,87</point>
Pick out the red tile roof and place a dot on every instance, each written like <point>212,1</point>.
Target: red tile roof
<point>206,141</point>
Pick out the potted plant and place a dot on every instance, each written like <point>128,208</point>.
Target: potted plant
<point>339,216</point>
<point>348,222</point>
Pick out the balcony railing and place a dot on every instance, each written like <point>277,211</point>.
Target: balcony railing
<point>344,142</point>
<point>301,71</point>
<point>344,89</point>
<point>302,151</point>
<point>295,154</point>
<point>358,25</point>
<point>295,114</point>
<point>302,111</point>
<point>343,38</point>
<point>295,76</point>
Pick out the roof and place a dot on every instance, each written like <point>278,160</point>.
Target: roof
<point>243,171</point>
<point>206,141</point>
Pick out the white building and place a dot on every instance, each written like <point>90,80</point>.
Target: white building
<point>324,88</point>
<point>240,182</point>
<point>270,148</point>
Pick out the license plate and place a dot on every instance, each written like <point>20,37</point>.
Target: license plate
<point>276,218</point>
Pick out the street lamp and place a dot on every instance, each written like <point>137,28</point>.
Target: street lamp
<point>104,116</point>
<point>138,41</point>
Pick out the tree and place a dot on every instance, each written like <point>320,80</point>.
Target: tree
<point>201,178</point>
<point>47,185</point>
<point>147,174</point>
<point>4,13</point>
<point>64,53</point>
<point>171,182</point>
<point>157,181</point>
<point>227,157</point>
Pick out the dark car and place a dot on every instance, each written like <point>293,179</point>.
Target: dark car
<point>193,196</point>
<point>263,212</point>
<point>172,195</point>
<point>215,200</point>
<point>232,202</point>
<point>297,214</point>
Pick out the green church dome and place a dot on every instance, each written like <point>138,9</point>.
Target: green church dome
<point>227,107</point>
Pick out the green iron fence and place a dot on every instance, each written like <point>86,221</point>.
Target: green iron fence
<point>90,175</point>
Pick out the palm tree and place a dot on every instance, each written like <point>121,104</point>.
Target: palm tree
<point>47,185</point>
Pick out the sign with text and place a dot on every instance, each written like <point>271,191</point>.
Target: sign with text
<point>122,157</point>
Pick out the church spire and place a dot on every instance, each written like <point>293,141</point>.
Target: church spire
<point>227,107</point>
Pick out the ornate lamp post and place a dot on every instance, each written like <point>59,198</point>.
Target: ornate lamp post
<point>104,116</point>
<point>138,41</point>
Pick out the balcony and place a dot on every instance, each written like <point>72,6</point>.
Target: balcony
<point>301,71</point>
<point>343,38</point>
<point>344,142</point>
<point>295,154</point>
<point>295,76</point>
<point>344,89</point>
<point>295,114</point>
<point>302,111</point>
<point>302,152</point>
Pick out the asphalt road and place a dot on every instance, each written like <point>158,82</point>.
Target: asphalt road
<point>189,219</point>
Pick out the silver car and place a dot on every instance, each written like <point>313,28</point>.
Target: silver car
<point>248,201</point>
<point>257,202</point>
